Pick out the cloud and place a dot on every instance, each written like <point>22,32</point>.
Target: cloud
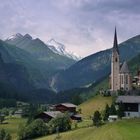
<point>84,26</point>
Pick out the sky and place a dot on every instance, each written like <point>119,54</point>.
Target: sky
<point>83,26</point>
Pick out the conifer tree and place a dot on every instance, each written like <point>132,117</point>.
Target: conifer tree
<point>112,110</point>
<point>97,118</point>
<point>120,111</point>
<point>106,113</point>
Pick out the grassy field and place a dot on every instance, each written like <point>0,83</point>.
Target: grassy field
<point>121,130</point>
<point>95,103</point>
<point>11,125</point>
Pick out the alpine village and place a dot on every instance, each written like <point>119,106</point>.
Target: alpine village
<point>49,93</point>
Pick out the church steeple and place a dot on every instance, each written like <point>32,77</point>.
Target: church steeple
<point>115,45</point>
<point>115,65</point>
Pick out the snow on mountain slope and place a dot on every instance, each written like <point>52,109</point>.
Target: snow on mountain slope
<point>60,49</point>
<point>18,35</point>
<point>53,45</point>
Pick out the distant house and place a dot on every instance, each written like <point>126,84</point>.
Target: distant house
<point>59,109</point>
<point>76,117</point>
<point>112,118</point>
<point>47,116</point>
<point>131,105</point>
<point>136,79</point>
<point>70,108</point>
<point>18,113</point>
<point>66,107</point>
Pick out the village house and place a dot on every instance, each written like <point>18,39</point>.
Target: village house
<point>66,107</point>
<point>60,109</point>
<point>131,105</point>
<point>18,113</point>
<point>70,109</point>
<point>48,115</point>
<point>136,79</point>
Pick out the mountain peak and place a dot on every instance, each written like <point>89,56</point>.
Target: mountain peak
<point>57,45</point>
<point>60,49</point>
<point>28,36</point>
<point>17,35</point>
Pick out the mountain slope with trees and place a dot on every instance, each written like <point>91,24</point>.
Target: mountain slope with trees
<point>94,67</point>
<point>41,51</point>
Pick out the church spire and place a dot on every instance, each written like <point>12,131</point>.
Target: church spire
<point>115,45</point>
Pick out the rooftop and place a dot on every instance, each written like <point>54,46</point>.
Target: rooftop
<point>128,99</point>
<point>68,104</point>
<point>124,68</point>
<point>53,114</point>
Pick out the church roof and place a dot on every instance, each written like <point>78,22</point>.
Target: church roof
<point>124,68</point>
<point>128,99</point>
<point>115,45</point>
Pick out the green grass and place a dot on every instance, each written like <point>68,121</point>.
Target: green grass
<point>120,130</point>
<point>93,104</point>
<point>11,125</point>
<point>82,124</point>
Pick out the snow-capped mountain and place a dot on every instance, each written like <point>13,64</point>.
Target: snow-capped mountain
<point>18,35</point>
<point>53,45</point>
<point>60,49</point>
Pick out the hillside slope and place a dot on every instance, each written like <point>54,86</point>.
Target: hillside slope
<point>94,67</point>
<point>96,103</point>
<point>120,130</point>
<point>36,70</point>
<point>41,51</point>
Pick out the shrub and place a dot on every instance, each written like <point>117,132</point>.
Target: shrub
<point>2,118</point>
<point>4,135</point>
<point>60,123</point>
<point>35,129</point>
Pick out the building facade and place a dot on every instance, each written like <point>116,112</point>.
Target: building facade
<point>120,74</point>
<point>131,105</point>
<point>125,78</point>
<point>115,66</point>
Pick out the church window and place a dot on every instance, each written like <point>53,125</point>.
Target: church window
<point>126,79</point>
<point>116,59</point>
<point>122,79</point>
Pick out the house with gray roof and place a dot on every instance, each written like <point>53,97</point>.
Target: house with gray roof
<point>66,107</point>
<point>131,105</point>
<point>46,116</point>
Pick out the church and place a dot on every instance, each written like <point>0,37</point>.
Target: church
<point>120,74</point>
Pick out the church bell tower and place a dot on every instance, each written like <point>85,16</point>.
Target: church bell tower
<point>115,66</point>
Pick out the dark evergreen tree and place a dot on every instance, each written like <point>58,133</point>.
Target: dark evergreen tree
<point>97,118</point>
<point>106,113</point>
<point>120,111</point>
<point>112,110</point>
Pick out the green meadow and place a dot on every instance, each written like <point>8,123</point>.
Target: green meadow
<point>128,129</point>
<point>11,125</point>
<point>93,104</point>
<point>120,130</point>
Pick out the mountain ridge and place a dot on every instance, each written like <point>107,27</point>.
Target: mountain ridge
<point>59,48</point>
<point>94,67</point>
